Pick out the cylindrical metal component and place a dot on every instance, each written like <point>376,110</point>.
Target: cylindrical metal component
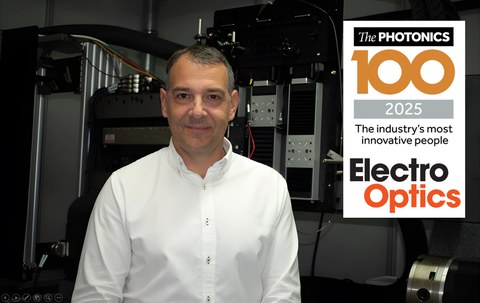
<point>150,11</point>
<point>436,279</point>
<point>427,279</point>
<point>150,16</point>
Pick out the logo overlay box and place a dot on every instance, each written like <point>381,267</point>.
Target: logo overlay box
<point>404,119</point>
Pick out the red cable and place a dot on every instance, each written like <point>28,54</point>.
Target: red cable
<point>251,139</point>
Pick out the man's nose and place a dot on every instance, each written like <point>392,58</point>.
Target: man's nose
<point>198,109</point>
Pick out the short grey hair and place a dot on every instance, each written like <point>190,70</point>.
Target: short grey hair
<point>201,54</point>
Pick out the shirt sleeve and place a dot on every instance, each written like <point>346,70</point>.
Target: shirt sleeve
<point>281,276</point>
<point>106,252</point>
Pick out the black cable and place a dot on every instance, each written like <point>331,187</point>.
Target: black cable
<point>95,134</point>
<point>97,69</point>
<point>315,249</point>
<point>84,55</point>
<point>337,45</point>
<point>120,36</point>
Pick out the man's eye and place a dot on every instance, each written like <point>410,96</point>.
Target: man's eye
<point>214,97</point>
<point>182,96</point>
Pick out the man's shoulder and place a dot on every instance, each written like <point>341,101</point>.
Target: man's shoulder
<point>254,166</point>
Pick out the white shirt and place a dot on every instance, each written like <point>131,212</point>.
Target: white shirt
<point>160,233</point>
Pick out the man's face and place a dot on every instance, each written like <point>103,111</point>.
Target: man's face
<point>198,106</point>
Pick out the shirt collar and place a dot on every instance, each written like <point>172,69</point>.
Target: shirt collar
<point>217,169</point>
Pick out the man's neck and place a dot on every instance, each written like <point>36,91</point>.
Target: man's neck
<point>200,163</point>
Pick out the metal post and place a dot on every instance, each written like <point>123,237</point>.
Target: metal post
<point>35,171</point>
<point>98,71</point>
<point>150,11</point>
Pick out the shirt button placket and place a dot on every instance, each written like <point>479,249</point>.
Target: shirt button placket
<point>209,244</point>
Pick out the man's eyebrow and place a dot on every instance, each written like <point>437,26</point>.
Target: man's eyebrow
<point>208,90</point>
<point>181,89</point>
<point>216,90</point>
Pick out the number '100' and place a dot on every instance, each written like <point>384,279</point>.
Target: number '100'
<point>367,72</point>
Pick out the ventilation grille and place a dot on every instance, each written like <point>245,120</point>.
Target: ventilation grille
<point>302,110</point>
<point>299,181</point>
<point>264,142</point>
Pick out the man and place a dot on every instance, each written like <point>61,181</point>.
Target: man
<point>192,222</point>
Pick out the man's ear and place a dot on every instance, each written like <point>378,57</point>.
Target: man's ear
<point>233,105</point>
<point>163,102</point>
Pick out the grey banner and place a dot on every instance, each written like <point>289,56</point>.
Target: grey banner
<point>403,109</point>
